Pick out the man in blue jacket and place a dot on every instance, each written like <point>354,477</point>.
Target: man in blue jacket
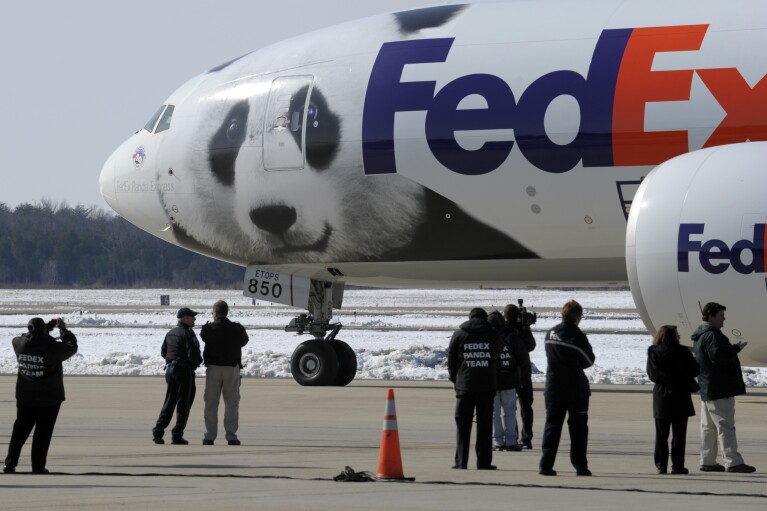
<point>720,381</point>
<point>567,391</point>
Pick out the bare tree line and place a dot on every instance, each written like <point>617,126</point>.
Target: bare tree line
<point>51,244</point>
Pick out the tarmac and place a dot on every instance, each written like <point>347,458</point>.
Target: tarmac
<point>296,439</point>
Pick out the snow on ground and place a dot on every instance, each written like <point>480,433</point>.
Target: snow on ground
<point>397,334</point>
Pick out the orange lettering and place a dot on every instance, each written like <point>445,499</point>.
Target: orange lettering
<point>746,108</point>
<point>638,85</point>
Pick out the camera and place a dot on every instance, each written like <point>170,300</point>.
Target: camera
<point>55,323</point>
<point>525,318</point>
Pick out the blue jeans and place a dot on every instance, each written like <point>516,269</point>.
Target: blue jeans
<point>505,427</point>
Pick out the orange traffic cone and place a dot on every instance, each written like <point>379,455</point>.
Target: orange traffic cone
<point>389,459</point>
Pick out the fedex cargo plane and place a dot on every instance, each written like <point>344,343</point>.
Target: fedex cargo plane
<point>496,144</point>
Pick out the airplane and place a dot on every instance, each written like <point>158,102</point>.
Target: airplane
<point>466,145</point>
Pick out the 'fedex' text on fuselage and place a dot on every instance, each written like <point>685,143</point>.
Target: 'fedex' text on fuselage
<point>612,98</point>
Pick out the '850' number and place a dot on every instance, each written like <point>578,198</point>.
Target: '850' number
<point>265,288</point>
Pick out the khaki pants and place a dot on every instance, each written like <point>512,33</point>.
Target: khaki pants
<point>717,432</point>
<point>222,380</point>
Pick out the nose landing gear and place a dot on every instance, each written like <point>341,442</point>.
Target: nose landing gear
<point>314,363</point>
<point>319,362</point>
<point>323,360</point>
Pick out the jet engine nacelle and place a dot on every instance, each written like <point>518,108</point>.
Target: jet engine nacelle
<point>696,234</point>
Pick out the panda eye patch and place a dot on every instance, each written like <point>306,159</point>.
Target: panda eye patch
<point>224,145</point>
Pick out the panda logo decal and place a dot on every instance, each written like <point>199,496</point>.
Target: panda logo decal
<point>139,156</point>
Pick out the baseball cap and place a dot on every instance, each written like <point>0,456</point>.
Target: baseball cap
<point>185,311</point>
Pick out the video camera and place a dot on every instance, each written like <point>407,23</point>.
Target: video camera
<point>525,318</point>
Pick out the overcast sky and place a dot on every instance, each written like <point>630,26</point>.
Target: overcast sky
<point>81,76</point>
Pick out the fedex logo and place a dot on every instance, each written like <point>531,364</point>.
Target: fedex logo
<point>612,98</point>
<point>716,256</point>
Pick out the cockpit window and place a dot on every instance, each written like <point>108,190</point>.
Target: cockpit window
<point>150,125</point>
<point>164,114</point>
<point>164,123</point>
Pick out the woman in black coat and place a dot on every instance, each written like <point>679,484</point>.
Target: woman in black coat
<point>673,368</point>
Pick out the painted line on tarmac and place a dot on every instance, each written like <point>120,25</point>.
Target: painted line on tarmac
<point>441,483</point>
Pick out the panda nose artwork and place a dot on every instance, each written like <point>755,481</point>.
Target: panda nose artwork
<point>276,219</point>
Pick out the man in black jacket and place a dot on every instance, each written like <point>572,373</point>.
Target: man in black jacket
<point>222,354</point>
<point>526,343</point>
<point>181,352</point>
<point>567,391</point>
<point>472,363</point>
<point>39,389</point>
<point>506,383</point>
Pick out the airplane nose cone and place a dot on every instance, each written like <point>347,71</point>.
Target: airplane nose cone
<point>129,187</point>
<point>107,182</point>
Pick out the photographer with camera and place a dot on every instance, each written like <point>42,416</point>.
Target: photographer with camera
<point>39,389</point>
<point>519,322</point>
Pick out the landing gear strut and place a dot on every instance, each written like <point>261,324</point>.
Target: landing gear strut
<point>323,360</point>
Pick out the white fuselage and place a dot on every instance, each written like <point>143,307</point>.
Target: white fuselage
<point>458,145</point>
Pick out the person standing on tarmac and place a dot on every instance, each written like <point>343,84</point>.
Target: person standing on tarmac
<point>181,352</point>
<point>567,391</point>
<point>222,354</point>
<point>472,363</point>
<point>39,389</point>
<point>673,369</point>
<point>507,381</point>
<point>525,341</point>
<point>720,380</point>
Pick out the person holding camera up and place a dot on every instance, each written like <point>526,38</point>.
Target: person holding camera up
<point>39,389</point>
<point>519,321</point>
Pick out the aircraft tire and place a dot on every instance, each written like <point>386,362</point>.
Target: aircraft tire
<point>347,362</point>
<point>314,363</point>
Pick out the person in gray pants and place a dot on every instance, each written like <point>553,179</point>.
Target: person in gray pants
<point>222,356</point>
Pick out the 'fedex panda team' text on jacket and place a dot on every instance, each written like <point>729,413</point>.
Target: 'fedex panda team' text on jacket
<point>40,380</point>
<point>472,358</point>
<point>512,351</point>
